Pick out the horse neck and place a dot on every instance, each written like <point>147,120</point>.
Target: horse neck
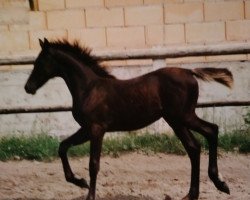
<point>76,74</point>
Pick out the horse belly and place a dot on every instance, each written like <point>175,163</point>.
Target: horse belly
<point>135,104</point>
<point>135,119</point>
<point>139,123</point>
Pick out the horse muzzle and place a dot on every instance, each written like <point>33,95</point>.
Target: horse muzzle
<point>30,88</point>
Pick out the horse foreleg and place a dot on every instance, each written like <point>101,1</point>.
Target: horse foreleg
<point>193,149</point>
<point>78,138</point>
<point>94,162</point>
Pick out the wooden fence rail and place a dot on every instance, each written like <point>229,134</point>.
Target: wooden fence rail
<point>153,53</point>
<point>69,108</point>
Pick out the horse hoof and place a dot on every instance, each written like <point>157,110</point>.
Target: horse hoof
<point>224,188</point>
<point>189,198</point>
<point>83,183</point>
<point>167,197</point>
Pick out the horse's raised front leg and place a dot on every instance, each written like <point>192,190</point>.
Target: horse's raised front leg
<point>97,134</point>
<point>193,149</point>
<point>78,138</point>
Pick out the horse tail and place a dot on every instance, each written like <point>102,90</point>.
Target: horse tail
<point>220,75</point>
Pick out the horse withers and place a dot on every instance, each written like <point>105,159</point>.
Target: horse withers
<point>102,103</point>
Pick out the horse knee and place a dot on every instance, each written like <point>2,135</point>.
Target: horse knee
<point>215,130</point>
<point>212,134</point>
<point>198,149</point>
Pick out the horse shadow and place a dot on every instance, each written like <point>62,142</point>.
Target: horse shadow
<point>118,197</point>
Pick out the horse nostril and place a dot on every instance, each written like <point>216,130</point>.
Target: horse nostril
<point>26,88</point>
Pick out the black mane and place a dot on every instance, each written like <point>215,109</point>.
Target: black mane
<point>82,53</point>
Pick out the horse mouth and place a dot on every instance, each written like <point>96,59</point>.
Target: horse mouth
<point>30,89</point>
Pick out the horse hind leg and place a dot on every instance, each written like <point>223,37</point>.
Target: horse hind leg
<point>210,132</point>
<point>78,138</point>
<point>193,149</point>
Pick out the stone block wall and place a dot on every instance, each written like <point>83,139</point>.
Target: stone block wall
<point>112,24</point>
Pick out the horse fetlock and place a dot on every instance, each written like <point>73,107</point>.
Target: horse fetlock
<point>167,197</point>
<point>91,196</point>
<point>193,193</point>
<point>213,174</point>
<point>82,183</point>
<point>69,178</point>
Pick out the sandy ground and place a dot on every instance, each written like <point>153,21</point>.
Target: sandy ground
<point>133,176</point>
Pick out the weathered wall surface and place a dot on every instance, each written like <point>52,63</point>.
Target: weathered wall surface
<point>111,24</point>
<point>125,24</point>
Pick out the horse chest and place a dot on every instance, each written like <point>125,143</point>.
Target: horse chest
<point>78,116</point>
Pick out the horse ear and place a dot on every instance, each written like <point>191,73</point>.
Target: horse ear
<point>41,43</point>
<point>46,42</point>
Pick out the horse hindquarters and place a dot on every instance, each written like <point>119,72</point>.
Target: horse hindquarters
<point>180,114</point>
<point>179,93</point>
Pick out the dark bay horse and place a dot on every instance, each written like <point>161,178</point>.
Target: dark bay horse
<point>102,103</point>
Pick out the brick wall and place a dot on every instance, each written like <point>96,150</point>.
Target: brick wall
<point>114,24</point>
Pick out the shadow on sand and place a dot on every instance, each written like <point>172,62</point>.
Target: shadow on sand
<point>118,197</point>
<point>125,197</point>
